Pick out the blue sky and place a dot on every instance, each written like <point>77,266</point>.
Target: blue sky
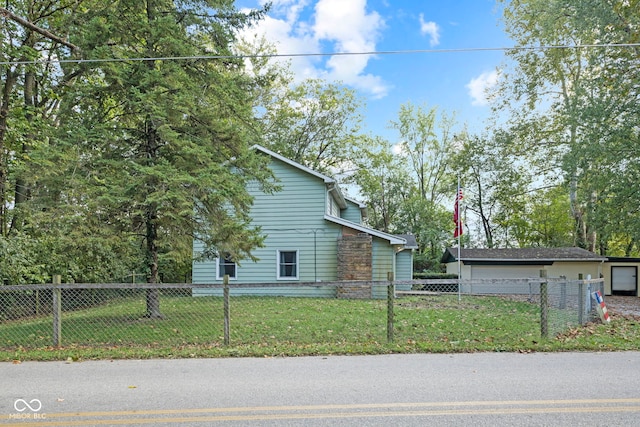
<point>452,81</point>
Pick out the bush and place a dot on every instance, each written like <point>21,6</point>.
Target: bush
<point>432,275</point>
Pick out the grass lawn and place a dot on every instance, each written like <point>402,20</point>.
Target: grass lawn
<point>267,326</point>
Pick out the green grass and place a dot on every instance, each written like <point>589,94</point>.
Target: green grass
<point>193,327</point>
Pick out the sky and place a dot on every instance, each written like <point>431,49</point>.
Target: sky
<point>452,81</point>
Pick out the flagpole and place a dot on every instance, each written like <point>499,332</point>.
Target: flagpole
<point>457,226</point>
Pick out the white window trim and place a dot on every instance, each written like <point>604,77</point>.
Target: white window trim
<point>278,277</point>
<point>219,277</point>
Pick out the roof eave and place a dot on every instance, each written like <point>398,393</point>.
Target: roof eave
<point>325,178</point>
<point>393,240</point>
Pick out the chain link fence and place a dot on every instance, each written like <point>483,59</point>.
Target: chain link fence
<point>568,303</point>
<point>563,303</point>
<point>124,315</point>
<point>119,315</point>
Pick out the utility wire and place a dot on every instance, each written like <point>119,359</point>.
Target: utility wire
<point>298,55</point>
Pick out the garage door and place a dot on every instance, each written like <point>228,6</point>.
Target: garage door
<point>623,279</point>
<point>505,272</point>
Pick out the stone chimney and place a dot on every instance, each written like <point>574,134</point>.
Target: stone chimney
<point>355,263</point>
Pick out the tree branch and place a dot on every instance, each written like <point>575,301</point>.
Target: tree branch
<point>4,12</point>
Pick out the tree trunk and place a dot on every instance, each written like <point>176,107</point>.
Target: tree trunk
<point>151,225</point>
<point>153,294</point>
<point>9,82</point>
<point>21,188</point>
<point>151,218</point>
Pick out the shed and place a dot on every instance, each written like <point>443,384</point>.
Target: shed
<point>511,263</point>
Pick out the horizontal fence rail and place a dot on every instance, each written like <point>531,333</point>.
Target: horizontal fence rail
<point>228,314</point>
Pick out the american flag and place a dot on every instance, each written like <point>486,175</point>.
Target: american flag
<point>457,218</point>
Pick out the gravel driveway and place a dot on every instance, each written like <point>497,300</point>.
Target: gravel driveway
<point>624,305</point>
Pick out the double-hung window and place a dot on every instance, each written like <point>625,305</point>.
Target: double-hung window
<point>287,265</point>
<point>225,266</point>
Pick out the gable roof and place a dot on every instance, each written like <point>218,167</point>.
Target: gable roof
<point>360,205</point>
<point>332,184</point>
<point>520,255</point>
<point>407,241</point>
<point>412,243</point>
<point>393,239</point>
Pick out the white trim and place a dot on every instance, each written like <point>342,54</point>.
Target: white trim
<point>296,277</point>
<point>393,240</point>
<point>334,191</point>
<point>333,207</point>
<point>355,202</point>
<point>325,178</point>
<point>218,277</point>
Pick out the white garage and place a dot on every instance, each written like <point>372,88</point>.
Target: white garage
<point>522,263</point>
<point>505,271</point>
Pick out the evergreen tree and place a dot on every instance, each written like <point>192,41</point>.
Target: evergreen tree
<point>165,130</point>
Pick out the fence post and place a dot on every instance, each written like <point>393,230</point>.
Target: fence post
<point>227,316</point>
<point>544,305</point>
<point>390,302</point>
<point>580,299</point>
<point>57,310</point>
<point>563,293</point>
<point>37,302</point>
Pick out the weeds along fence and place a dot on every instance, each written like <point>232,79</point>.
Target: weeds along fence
<point>232,314</point>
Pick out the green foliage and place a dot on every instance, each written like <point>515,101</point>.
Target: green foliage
<point>573,111</point>
<point>314,123</point>
<point>404,184</point>
<point>115,166</point>
<point>546,221</point>
<point>433,275</point>
<point>427,142</point>
<point>19,261</point>
<point>383,182</point>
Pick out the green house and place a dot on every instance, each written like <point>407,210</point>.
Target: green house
<point>313,234</point>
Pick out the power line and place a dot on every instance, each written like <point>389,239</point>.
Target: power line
<point>298,55</point>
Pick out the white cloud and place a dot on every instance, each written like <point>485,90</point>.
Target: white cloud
<point>480,86</point>
<point>398,149</point>
<point>346,26</point>
<point>431,29</point>
<point>290,36</point>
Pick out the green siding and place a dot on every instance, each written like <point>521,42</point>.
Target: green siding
<point>404,268</point>
<point>382,263</point>
<point>352,212</point>
<point>404,265</point>
<point>285,291</point>
<point>293,219</point>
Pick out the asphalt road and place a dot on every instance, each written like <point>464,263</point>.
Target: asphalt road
<point>483,389</point>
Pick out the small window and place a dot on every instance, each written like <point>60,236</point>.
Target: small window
<point>287,265</point>
<point>226,266</point>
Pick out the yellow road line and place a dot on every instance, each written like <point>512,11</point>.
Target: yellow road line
<point>350,406</point>
<point>80,418</point>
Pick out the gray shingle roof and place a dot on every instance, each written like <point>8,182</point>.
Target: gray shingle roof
<point>521,254</point>
<point>412,243</point>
